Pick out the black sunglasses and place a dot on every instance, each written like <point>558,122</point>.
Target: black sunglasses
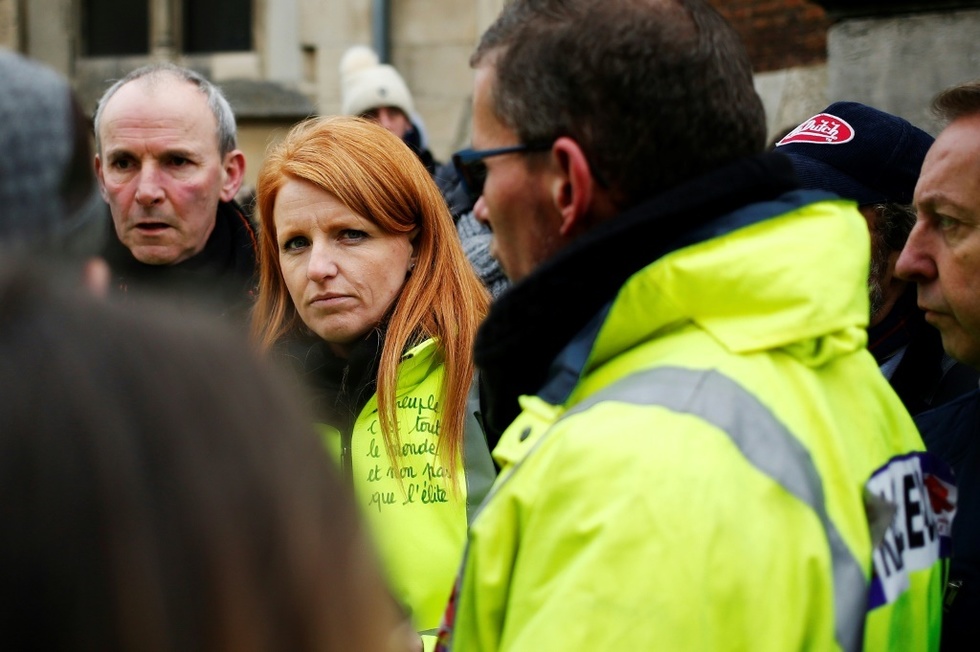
<point>473,171</point>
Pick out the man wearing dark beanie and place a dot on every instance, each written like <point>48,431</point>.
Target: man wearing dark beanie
<point>873,158</point>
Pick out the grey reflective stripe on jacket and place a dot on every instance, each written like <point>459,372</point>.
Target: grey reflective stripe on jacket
<point>478,466</point>
<point>768,446</point>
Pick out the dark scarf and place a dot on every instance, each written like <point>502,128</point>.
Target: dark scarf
<point>413,138</point>
<point>530,323</point>
<point>221,277</point>
<point>338,388</point>
<point>898,327</point>
<point>444,174</point>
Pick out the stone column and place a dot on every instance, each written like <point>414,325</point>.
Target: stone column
<point>164,15</point>
<point>48,32</point>
<point>10,25</point>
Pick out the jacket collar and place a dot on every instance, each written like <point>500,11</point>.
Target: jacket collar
<point>533,321</point>
<point>340,388</point>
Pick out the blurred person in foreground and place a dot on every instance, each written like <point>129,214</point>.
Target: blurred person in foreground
<point>50,207</point>
<point>942,257</point>
<point>873,158</point>
<point>169,167</point>
<point>698,451</point>
<point>162,491</point>
<point>364,287</point>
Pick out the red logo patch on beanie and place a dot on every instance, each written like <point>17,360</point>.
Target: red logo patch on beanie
<point>821,129</point>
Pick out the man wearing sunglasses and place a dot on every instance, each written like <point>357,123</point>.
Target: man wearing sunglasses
<point>697,450</point>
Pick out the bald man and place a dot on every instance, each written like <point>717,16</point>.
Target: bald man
<point>169,168</point>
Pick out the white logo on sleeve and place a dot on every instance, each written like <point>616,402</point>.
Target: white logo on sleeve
<point>921,488</point>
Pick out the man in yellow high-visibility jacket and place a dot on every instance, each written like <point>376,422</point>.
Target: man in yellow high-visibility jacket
<point>697,450</point>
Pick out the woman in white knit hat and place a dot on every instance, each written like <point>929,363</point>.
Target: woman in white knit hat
<point>375,90</point>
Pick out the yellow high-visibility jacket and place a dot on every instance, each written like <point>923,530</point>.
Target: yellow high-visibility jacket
<point>703,484</point>
<point>417,518</point>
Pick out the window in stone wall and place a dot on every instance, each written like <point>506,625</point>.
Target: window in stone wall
<point>116,27</point>
<point>217,25</point>
<point>136,27</point>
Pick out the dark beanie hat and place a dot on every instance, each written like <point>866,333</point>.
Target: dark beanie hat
<point>49,199</point>
<point>858,152</point>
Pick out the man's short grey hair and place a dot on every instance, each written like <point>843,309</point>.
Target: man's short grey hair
<point>225,117</point>
<point>957,101</point>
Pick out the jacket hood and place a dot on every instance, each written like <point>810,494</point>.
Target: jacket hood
<point>667,262</point>
<point>795,282</point>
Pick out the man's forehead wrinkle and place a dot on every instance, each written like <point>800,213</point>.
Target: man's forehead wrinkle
<point>938,202</point>
<point>123,133</point>
<point>160,91</point>
<point>160,126</point>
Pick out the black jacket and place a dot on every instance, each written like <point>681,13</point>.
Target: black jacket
<point>444,174</point>
<point>952,431</point>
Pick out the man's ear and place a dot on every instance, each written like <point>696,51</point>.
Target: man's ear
<point>574,187</point>
<point>234,174</point>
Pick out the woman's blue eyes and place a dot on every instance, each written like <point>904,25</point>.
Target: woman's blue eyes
<point>348,235</point>
<point>295,243</point>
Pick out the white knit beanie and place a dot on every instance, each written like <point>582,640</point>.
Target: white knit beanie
<point>366,83</point>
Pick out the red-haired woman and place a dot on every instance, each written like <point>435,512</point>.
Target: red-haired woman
<point>364,284</point>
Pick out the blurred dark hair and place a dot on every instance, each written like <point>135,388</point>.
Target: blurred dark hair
<point>892,224</point>
<point>49,199</point>
<point>655,92</point>
<point>895,224</point>
<point>162,491</point>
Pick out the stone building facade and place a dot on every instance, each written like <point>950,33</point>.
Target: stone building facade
<point>897,55</point>
<point>278,59</point>
<point>787,43</point>
<point>284,69</point>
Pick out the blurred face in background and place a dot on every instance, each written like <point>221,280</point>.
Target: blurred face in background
<point>391,118</point>
<point>884,287</point>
